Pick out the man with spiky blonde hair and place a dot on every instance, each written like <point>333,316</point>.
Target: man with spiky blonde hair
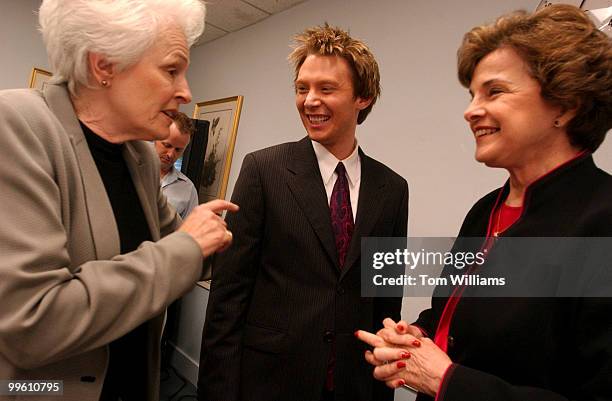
<point>286,298</point>
<point>328,41</point>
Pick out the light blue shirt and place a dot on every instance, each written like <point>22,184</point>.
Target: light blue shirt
<point>180,191</point>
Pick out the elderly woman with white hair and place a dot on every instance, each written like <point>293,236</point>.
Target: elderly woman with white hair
<point>92,253</point>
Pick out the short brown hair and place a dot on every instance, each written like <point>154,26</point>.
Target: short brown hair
<point>566,54</point>
<point>184,123</point>
<point>332,41</point>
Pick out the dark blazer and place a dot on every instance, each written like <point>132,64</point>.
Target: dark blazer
<point>278,299</point>
<point>534,349</point>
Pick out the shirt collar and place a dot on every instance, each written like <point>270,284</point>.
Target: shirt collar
<point>170,177</point>
<point>328,162</point>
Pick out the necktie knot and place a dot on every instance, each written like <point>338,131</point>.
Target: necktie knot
<point>340,169</point>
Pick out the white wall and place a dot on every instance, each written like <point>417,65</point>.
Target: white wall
<point>416,128</point>
<point>21,44</point>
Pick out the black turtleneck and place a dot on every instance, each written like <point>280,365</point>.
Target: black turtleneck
<point>130,218</point>
<point>127,371</point>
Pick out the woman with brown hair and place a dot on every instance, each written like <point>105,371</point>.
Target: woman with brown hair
<point>541,88</point>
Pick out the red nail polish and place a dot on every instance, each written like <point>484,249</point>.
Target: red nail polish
<point>400,328</point>
<point>400,383</point>
<point>405,355</point>
<point>401,364</point>
<point>416,343</point>
<point>356,333</point>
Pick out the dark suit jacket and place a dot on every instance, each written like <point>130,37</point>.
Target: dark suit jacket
<point>535,349</point>
<point>279,300</point>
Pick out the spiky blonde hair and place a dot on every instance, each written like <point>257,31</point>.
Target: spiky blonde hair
<point>332,41</point>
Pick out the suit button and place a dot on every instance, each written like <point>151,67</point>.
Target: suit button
<point>451,341</point>
<point>341,291</point>
<point>328,336</point>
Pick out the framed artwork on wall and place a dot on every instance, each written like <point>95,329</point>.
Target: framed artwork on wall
<point>602,17</point>
<point>223,116</point>
<point>546,3</point>
<point>600,11</point>
<point>38,77</point>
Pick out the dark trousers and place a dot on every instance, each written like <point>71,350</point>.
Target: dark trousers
<point>327,395</point>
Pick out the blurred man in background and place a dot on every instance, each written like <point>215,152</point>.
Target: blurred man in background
<point>179,189</point>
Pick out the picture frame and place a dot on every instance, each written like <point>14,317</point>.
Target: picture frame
<point>546,3</point>
<point>602,17</point>
<point>38,78</point>
<point>224,117</point>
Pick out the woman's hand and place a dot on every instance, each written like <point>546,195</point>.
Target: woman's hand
<point>402,327</point>
<point>404,356</point>
<point>206,226</point>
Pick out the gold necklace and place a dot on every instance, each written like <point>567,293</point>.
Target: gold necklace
<point>497,225</point>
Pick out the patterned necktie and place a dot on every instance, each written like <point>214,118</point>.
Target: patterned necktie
<point>343,226</point>
<point>341,214</point>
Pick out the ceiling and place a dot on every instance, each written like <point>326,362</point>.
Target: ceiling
<point>225,16</point>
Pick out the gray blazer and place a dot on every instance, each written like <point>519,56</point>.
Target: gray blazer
<point>65,291</point>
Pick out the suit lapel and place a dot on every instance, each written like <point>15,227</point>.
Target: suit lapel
<point>136,167</point>
<point>306,185</point>
<point>370,206</point>
<point>101,218</point>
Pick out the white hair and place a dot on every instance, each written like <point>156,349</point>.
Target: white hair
<point>121,30</point>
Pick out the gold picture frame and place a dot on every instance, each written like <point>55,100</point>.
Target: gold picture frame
<point>38,78</point>
<point>223,116</point>
<point>545,3</point>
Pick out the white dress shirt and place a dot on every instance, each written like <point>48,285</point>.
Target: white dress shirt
<point>327,165</point>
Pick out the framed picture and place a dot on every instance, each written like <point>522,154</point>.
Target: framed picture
<point>602,17</point>
<point>38,77</point>
<point>223,116</point>
<point>546,3</point>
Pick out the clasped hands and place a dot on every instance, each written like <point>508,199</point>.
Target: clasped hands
<point>403,356</point>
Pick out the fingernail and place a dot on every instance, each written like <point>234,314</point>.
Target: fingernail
<point>416,343</point>
<point>405,355</point>
<point>400,328</point>
<point>400,383</point>
<point>401,364</point>
<point>356,333</point>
